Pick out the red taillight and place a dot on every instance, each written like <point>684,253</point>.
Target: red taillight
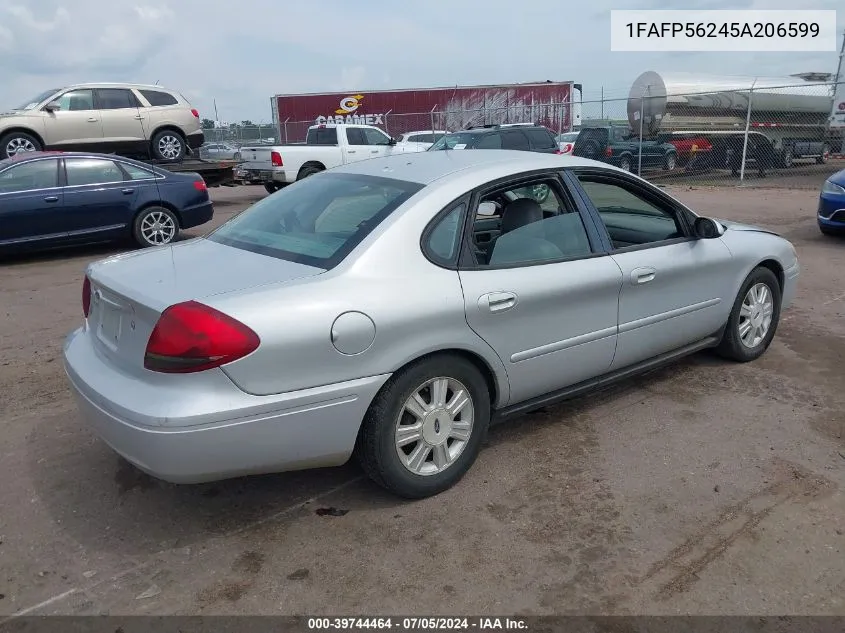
<point>195,112</point>
<point>192,337</point>
<point>200,185</point>
<point>86,296</point>
<point>557,151</point>
<point>276,159</point>
<point>608,151</point>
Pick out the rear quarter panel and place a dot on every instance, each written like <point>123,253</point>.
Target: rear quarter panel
<point>416,308</point>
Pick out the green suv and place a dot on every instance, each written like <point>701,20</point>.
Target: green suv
<point>617,145</point>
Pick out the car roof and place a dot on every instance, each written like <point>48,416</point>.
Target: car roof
<point>106,84</point>
<point>426,167</point>
<point>27,156</point>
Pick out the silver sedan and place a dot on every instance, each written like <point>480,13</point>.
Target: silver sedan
<point>393,308</point>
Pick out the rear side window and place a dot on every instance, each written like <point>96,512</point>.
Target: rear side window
<point>91,171</point>
<point>514,140</point>
<point>355,136</point>
<point>116,99</point>
<point>136,173</point>
<point>157,98</point>
<point>322,136</point>
<point>541,139</point>
<point>40,174</point>
<point>316,221</point>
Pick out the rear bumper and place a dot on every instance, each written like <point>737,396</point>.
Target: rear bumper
<point>197,215</point>
<point>201,427</point>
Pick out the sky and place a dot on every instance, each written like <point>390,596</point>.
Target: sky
<point>239,54</point>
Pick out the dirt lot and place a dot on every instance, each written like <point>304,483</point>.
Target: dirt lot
<point>708,487</point>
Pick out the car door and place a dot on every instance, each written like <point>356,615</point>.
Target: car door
<point>98,197</point>
<point>31,202</point>
<point>125,121</point>
<point>677,289</point>
<point>379,142</point>
<point>544,297</point>
<point>357,147</point>
<point>76,125</point>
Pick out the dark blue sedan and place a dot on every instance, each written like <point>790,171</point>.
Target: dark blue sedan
<point>52,198</point>
<point>831,214</point>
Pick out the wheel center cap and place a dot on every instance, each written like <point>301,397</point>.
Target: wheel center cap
<point>436,427</point>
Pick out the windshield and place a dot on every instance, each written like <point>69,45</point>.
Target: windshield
<point>30,104</point>
<point>316,221</point>
<point>459,140</point>
<point>569,137</point>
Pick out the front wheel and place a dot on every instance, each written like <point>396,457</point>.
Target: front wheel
<point>155,226</point>
<point>754,317</point>
<point>825,156</point>
<point>625,163</point>
<point>425,427</point>
<point>18,143</point>
<point>670,162</point>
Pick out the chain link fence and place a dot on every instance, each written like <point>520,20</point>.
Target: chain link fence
<point>768,136</point>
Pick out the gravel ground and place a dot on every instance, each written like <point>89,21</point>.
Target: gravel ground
<point>707,487</point>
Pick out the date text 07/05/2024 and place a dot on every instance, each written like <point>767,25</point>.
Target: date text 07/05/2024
<point>416,624</point>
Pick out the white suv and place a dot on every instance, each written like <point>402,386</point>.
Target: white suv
<point>129,119</point>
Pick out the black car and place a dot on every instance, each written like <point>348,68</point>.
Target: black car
<point>516,136</point>
<point>49,199</point>
<point>617,145</point>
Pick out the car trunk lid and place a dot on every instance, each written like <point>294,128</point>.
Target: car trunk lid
<point>129,292</point>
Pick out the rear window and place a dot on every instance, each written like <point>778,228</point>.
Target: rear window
<point>322,136</point>
<point>316,221</point>
<point>157,98</point>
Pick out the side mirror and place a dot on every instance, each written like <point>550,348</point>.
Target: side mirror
<point>707,229</point>
<point>487,208</point>
<point>53,106</point>
<point>392,141</point>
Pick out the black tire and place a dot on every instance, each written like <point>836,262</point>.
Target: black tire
<point>787,158</point>
<point>18,139</point>
<point>142,231</point>
<point>376,447</point>
<point>822,160</point>
<point>271,187</point>
<point>670,161</point>
<point>168,145</point>
<point>625,163</point>
<point>826,230</point>
<point>732,346</point>
<point>310,170</point>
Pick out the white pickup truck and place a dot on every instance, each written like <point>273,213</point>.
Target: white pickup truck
<point>325,146</point>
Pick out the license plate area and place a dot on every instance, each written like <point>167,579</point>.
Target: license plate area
<point>109,320</point>
<point>267,176</point>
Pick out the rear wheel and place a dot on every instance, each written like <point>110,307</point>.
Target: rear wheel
<point>787,158</point>
<point>271,187</point>
<point>308,171</point>
<point>625,163</point>
<point>670,161</point>
<point>754,317</point>
<point>155,226</point>
<point>168,145</point>
<point>18,143</point>
<point>425,427</point>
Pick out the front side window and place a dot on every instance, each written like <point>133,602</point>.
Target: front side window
<point>116,99</point>
<point>316,221</point>
<point>459,140</point>
<point>91,171</point>
<point>515,140</point>
<point>40,174</point>
<point>489,141</point>
<point>376,137</point>
<point>75,100</point>
<point>541,139</point>
<point>631,219</point>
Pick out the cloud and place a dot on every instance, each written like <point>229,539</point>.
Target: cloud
<point>239,57</point>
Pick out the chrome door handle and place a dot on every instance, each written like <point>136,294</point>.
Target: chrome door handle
<point>51,199</point>
<point>139,117</point>
<point>498,301</point>
<point>373,151</point>
<point>127,191</point>
<point>642,275</point>
<point>350,151</point>
<point>93,120</point>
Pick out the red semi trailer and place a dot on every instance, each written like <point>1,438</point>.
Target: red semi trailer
<point>553,104</point>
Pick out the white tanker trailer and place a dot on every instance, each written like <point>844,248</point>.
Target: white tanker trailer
<point>793,113</point>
